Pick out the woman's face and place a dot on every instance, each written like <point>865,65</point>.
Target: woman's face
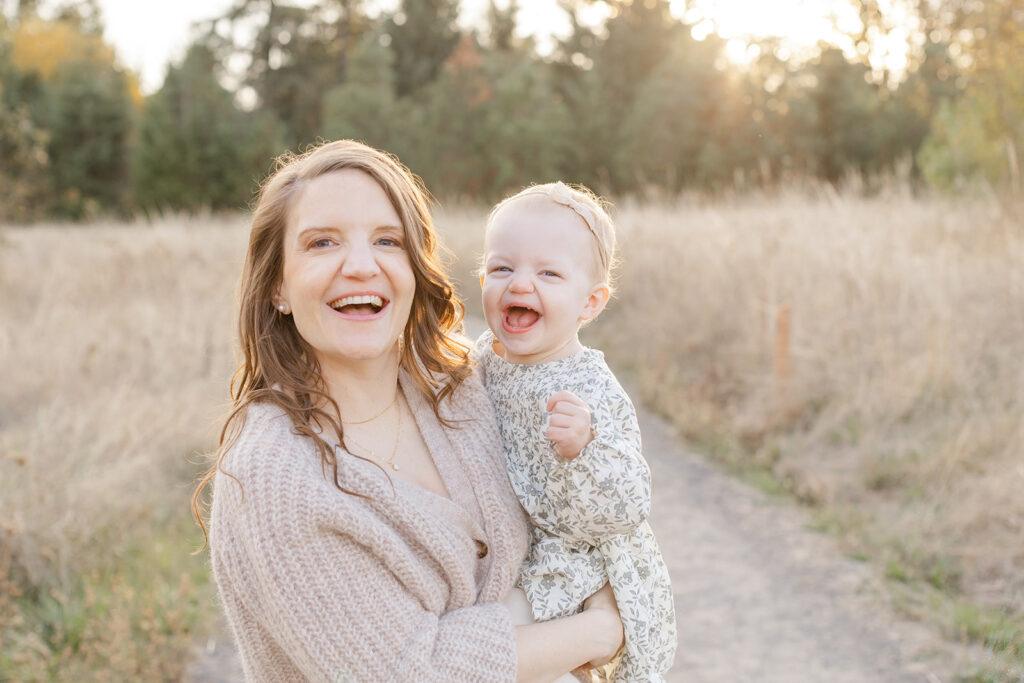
<point>347,277</point>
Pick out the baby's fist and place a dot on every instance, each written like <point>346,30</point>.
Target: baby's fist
<point>569,427</point>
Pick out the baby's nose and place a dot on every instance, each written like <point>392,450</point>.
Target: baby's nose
<point>521,283</point>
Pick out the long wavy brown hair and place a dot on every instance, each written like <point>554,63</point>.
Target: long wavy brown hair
<point>277,365</point>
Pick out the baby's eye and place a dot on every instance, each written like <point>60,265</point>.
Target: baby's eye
<point>500,269</point>
<point>549,273</point>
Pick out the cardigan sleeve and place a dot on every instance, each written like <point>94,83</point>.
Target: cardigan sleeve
<point>337,592</point>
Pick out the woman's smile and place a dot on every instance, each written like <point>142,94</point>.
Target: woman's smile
<point>360,306</point>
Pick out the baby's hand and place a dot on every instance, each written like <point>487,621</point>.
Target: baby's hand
<point>569,427</point>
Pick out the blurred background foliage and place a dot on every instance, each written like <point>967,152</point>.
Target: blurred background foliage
<point>634,106</point>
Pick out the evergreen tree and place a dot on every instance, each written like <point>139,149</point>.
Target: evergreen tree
<point>423,35</point>
<point>842,114</point>
<point>90,117</point>
<point>196,150</point>
<point>689,123</point>
<point>24,164</point>
<point>524,129</point>
<point>502,25</point>
<point>599,76</point>
<point>299,53</point>
<point>365,107</point>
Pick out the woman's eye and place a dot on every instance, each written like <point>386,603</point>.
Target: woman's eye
<point>321,243</point>
<point>389,242</point>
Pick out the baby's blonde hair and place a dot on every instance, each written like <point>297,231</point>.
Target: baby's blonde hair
<point>588,206</point>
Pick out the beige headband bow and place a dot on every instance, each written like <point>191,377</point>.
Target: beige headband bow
<point>560,193</point>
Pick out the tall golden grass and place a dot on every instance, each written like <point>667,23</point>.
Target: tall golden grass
<point>869,352</point>
<point>866,353</point>
<point>115,352</point>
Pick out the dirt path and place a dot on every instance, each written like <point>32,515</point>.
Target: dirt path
<point>759,596</point>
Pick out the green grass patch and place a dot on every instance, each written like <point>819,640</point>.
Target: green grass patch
<point>763,479</point>
<point>134,620</point>
<point>894,571</point>
<point>997,629</point>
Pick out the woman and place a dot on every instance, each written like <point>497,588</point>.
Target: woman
<point>362,526</point>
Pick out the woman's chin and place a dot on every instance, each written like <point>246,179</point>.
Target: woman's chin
<point>359,353</point>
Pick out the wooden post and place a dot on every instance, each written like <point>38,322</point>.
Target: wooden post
<point>781,357</point>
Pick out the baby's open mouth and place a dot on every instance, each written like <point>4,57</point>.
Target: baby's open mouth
<point>519,318</point>
<point>361,305</point>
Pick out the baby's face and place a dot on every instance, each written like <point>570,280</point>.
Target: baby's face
<point>539,279</point>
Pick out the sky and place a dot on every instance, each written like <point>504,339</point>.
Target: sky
<point>147,35</point>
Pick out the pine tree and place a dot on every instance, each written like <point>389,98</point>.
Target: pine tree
<point>196,150</point>
<point>90,117</point>
<point>24,164</point>
<point>423,35</point>
<point>365,107</point>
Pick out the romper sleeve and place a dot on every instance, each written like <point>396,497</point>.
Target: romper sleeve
<point>606,490</point>
<point>338,593</point>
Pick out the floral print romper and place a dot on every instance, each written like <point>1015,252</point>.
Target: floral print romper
<point>588,514</point>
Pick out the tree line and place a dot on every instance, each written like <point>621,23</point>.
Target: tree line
<point>636,105</point>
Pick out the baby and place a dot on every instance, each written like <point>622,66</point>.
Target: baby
<point>572,444</point>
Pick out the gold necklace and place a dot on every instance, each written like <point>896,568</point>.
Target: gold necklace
<point>371,419</point>
<point>394,451</point>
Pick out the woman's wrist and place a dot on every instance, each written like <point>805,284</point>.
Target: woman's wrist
<point>608,630</point>
<point>605,633</point>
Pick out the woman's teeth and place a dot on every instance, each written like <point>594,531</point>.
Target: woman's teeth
<point>361,300</point>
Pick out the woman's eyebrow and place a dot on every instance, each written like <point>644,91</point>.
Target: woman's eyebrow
<point>314,229</point>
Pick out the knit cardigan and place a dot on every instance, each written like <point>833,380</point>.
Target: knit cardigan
<point>322,585</point>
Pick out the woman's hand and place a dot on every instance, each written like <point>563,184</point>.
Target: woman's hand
<point>602,604</point>
<point>593,637</point>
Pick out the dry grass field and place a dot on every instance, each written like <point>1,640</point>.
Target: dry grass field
<point>115,351</point>
<point>864,355</point>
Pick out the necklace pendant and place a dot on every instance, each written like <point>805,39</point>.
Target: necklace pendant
<point>395,467</point>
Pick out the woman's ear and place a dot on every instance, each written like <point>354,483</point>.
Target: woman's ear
<point>596,302</point>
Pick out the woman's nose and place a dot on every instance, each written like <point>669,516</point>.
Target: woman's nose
<point>360,263</point>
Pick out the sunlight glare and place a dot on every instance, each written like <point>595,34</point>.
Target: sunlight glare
<point>803,22</point>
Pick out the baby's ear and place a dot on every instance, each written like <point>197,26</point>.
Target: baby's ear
<point>596,302</point>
